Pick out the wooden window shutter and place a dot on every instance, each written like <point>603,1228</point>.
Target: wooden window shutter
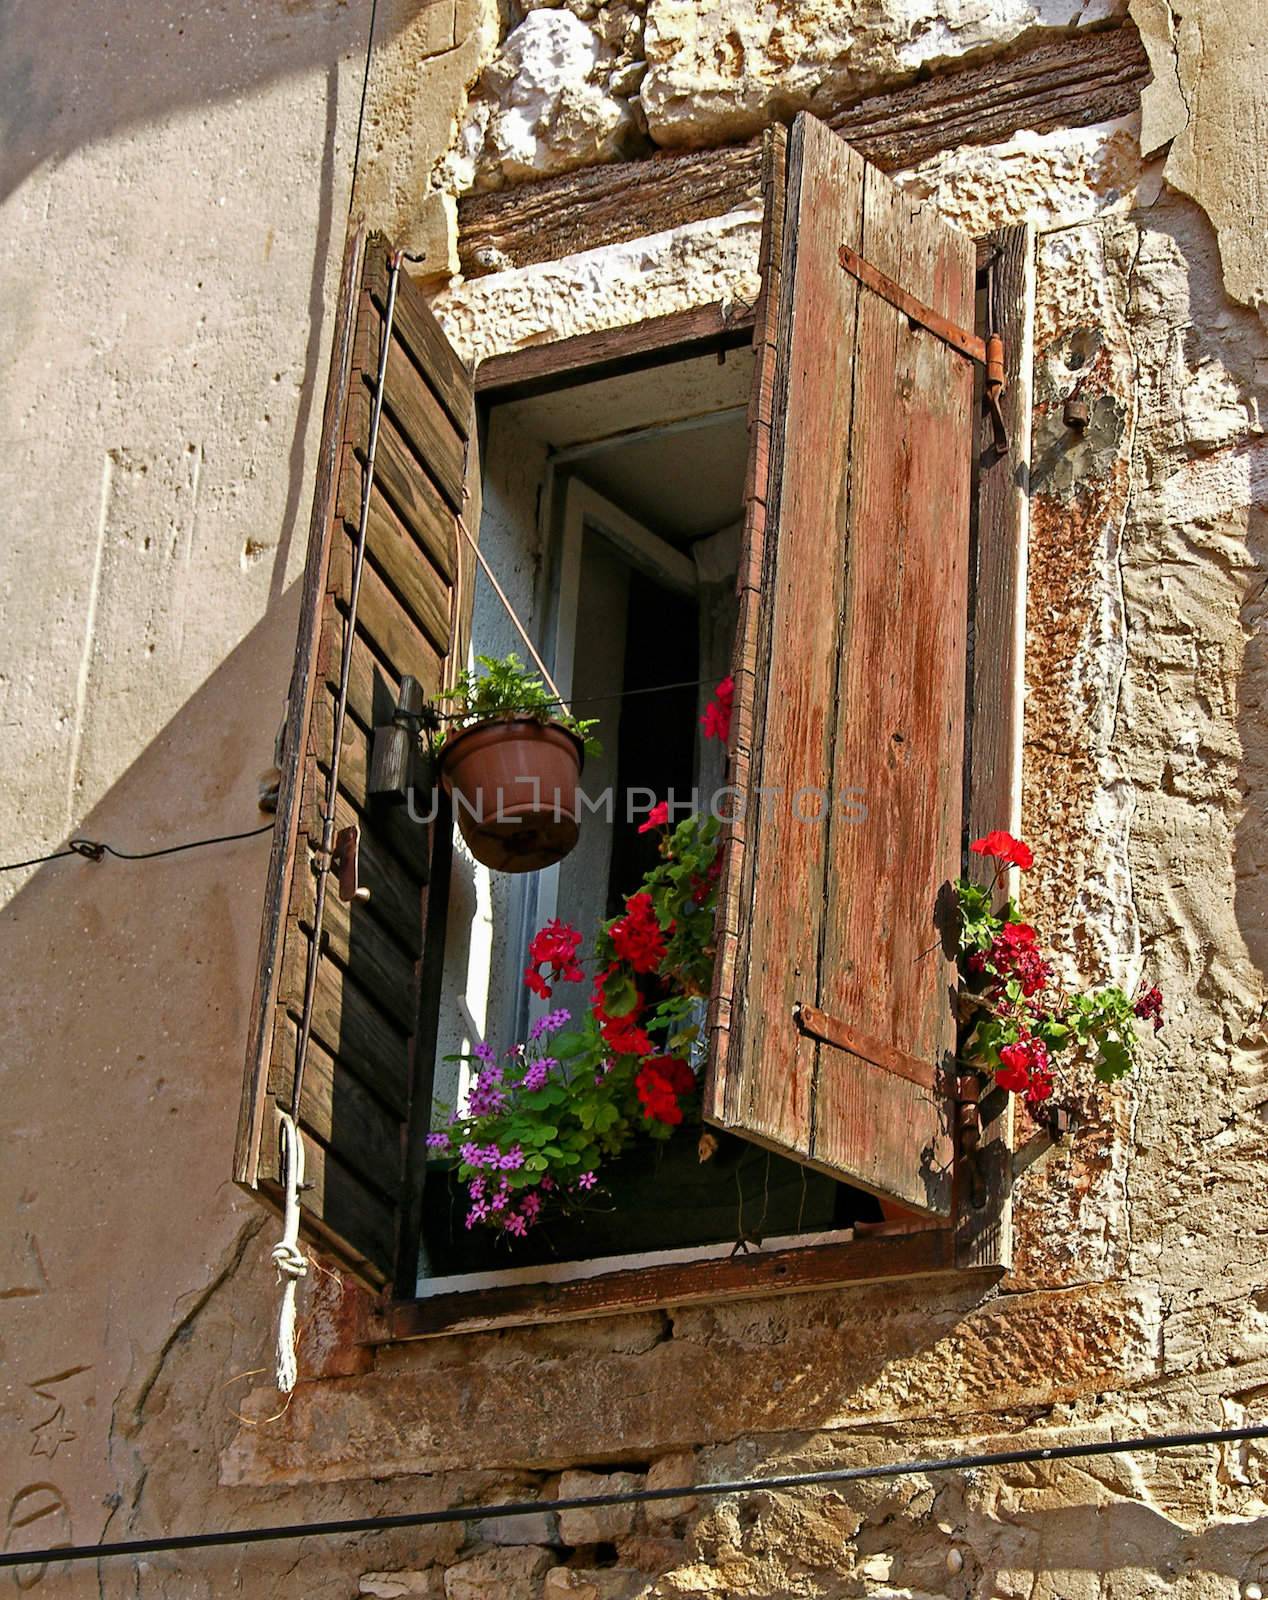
<point>832,1013</point>
<point>358,1088</point>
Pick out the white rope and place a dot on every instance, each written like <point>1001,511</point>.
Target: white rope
<point>290,1260</point>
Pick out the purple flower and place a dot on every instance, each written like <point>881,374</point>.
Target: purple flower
<point>535,1077</point>
<point>476,1188</point>
<point>512,1160</point>
<point>486,1053</point>
<point>499,1202</point>
<point>547,1184</point>
<point>470,1154</point>
<point>438,1141</point>
<point>516,1225</point>
<point>531,1204</point>
<point>550,1023</point>
<point>488,1096</point>
<point>587,1180</point>
<point>478,1213</point>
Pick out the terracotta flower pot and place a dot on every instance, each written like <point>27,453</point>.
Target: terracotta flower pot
<point>513,782</point>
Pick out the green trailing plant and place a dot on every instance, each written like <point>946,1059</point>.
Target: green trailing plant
<point>504,687</point>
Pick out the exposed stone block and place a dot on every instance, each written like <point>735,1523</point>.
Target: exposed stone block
<point>719,72</point>
<point>602,1523</point>
<point>595,1583</point>
<point>533,1527</point>
<point>403,1585</point>
<point>671,1472</point>
<point>510,1573</point>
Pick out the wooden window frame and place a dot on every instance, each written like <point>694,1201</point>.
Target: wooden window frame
<point>978,1237</point>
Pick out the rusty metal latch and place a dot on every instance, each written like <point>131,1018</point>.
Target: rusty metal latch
<point>988,353</point>
<point>345,864</point>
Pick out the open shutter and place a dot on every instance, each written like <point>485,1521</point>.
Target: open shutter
<point>832,1014</point>
<point>412,619</point>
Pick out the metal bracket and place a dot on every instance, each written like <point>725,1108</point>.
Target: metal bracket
<point>396,742</point>
<point>988,352</point>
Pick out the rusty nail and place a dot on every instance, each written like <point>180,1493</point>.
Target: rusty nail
<point>1076,413</point>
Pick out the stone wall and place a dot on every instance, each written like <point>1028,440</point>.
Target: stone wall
<point>164,384</point>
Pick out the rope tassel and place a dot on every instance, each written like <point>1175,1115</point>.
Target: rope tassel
<point>289,1259</point>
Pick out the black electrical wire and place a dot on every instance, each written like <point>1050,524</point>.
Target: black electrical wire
<point>365,86</point>
<point>515,1508</point>
<point>594,699</point>
<point>95,849</point>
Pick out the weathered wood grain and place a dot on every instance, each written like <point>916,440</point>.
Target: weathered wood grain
<point>304,677</point>
<point>357,1091</point>
<point>584,357</point>
<point>1068,82</point>
<point>859,667</point>
<point>355,940</point>
<point>731,915</point>
<point>738,1277</point>
<point>422,337</point>
<point>388,825</point>
<point>337,1108</point>
<point>340,1212</point>
<point>985,1229</point>
<point>899,696</point>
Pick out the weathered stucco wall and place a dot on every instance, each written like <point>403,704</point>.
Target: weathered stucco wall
<point>164,381</point>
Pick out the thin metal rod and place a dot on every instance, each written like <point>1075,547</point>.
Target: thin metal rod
<point>341,702</point>
<point>510,611</point>
<point>705,1491</point>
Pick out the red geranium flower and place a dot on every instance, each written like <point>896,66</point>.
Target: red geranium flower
<point>717,714</point>
<point>637,936</point>
<point>624,1037</point>
<point>1149,1007</point>
<point>555,948</point>
<point>1014,1075</point>
<point>661,1083</point>
<point>1025,1068</point>
<point>1001,845</point>
<point>657,817</point>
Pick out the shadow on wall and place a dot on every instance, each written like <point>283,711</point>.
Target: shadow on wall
<point>136,62</point>
<point>129,985</point>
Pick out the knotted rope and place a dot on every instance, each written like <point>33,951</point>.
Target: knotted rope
<point>289,1259</point>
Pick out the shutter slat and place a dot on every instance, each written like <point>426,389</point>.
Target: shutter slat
<point>336,1107</point>
<point>415,499</point>
<point>349,1025</point>
<point>368,1068</point>
<point>421,436</point>
<point>398,635</point>
<point>854,642</point>
<point>355,940</point>
<point>431,352</point>
<point>421,589</point>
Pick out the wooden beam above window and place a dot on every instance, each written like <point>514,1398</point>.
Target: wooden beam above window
<point>1068,82</point>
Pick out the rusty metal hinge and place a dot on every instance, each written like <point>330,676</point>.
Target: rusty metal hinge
<point>988,353</point>
<point>831,1030</point>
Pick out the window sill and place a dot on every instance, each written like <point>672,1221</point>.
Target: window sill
<point>859,1259</point>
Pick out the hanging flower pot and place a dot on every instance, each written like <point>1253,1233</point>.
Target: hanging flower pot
<point>513,781</point>
<point>511,764</point>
